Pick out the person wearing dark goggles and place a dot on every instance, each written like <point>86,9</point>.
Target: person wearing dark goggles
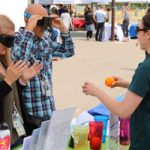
<point>7,40</point>
<point>12,76</point>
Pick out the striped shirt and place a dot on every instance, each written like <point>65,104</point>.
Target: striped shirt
<point>38,94</point>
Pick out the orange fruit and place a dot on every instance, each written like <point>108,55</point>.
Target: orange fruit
<point>109,81</point>
<point>95,143</point>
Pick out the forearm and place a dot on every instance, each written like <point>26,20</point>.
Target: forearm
<point>22,46</point>
<point>113,105</point>
<point>126,84</point>
<point>66,49</point>
<point>62,27</point>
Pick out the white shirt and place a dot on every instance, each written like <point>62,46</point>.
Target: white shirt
<point>66,20</point>
<point>100,15</point>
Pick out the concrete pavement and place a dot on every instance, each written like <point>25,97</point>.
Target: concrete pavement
<point>93,61</point>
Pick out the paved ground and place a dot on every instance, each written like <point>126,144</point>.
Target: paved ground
<point>93,61</point>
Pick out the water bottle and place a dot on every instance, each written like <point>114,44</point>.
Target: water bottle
<point>113,142</point>
<point>125,131</point>
<point>4,137</point>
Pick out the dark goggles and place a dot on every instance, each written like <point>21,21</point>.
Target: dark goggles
<point>7,40</point>
<point>45,22</point>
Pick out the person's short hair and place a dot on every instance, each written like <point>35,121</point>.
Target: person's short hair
<point>66,9</point>
<point>100,6</point>
<point>126,4</point>
<point>54,10</point>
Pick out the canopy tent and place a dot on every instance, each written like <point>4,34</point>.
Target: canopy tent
<point>88,1</point>
<point>71,1</point>
<point>58,1</point>
<point>133,1</point>
<point>94,1</point>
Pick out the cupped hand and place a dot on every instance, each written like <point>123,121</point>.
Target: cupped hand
<point>14,71</point>
<point>31,71</point>
<point>58,23</point>
<point>119,82</point>
<point>32,22</point>
<point>90,89</point>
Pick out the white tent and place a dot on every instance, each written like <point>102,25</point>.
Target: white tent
<point>94,1</point>
<point>132,1</point>
<point>71,1</point>
<point>58,1</point>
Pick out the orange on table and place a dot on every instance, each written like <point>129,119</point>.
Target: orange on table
<point>109,81</point>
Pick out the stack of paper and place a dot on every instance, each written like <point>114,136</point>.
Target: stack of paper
<point>53,134</point>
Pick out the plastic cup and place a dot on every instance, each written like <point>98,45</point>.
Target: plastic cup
<point>125,131</point>
<point>103,119</point>
<point>95,135</point>
<point>80,135</point>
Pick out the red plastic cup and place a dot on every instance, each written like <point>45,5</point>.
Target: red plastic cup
<point>95,135</point>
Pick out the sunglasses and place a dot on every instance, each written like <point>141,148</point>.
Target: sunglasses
<point>7,40</point>
<point>139,30</point>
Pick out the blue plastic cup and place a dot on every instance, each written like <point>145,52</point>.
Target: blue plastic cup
<point>103,119</point>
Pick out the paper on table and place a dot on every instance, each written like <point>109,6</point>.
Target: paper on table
<point>26,143</point>
<point>84,117</point>
<point>42,134</point>
<point>34,139</point>
<point>58,129</point>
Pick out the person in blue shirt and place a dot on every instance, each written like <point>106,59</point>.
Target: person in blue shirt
<point>100,17</point>
<point>33,43</point>
<point>136,102</point>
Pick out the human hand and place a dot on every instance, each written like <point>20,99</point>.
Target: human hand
<point>31,71</point>
<point>90,89</point>
<point>32,22</point>
<point>119,82</point>
<point>58,23</point>
<point>14,71</point>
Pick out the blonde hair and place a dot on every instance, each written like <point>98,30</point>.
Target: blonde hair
<point>6,26</point>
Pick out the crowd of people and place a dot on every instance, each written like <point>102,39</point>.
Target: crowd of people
<point>30,68</point>
<point>26,72</point>
<point>99,19</point>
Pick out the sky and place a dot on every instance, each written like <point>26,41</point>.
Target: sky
<point>14,9</point>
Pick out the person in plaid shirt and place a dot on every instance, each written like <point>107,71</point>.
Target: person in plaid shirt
<point>33,43</point>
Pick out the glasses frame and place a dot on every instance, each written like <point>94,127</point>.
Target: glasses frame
<point>139,29</point>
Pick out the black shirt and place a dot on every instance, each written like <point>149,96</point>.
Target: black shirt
<point>89,19</point>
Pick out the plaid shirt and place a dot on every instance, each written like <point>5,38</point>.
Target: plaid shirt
<point>29,48</point>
